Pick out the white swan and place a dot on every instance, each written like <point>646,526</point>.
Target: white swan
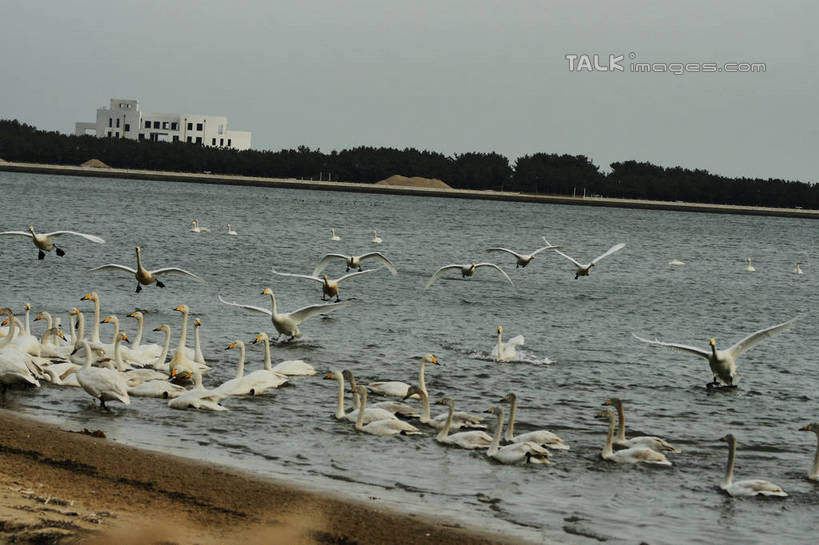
<point>467,270</point>
<point>198,356</point>
<point>333,235</point>
<point>238,385</point>
<point>101,382</point>
<point>474,439</point>
<point>748,266</point>
<point>583,269</point>
<point>13,369</point>
<point>813,474</point>
<point>376,239</point>
<point>267,378</point>
<point>147,351</point>
<point>723,362</point>
<point>159,362</point>
<point>371,414</point>
<point>288,323</point>
<point>290,368</point>
<point>459,419</point>
<point>156,388</point>
<point>632,455</point>
<point>798,268</point>
<point>400,389</point>
<point>676,262</point>
<point>26,343</point>
<point>181,362</point>
<point>94,340</point>
<point>198,397</point>
<point>750,487</point>
<point>507,351</point>
<point>143,276</point>
<point>647,441</point>
<point>522,259</point>
<point>133,377</point>
<point>329,288</point>
<point>515,453</point>
<point>198,228</point>
<point>230,231</point>
<point>541,437</point>
<point>385,427</point>
<point>394,407</point>
<point>45,241</point>
<point>354,261</point>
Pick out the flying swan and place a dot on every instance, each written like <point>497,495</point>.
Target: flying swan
<point>45,241</point>
<point>329,288</point>
<point>467,270</point>
<point>354,261</point>
<point>522,259</point>
<point>143,276</point>
<point>583,269</point>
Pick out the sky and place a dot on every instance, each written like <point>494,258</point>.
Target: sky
<point>451,76</point>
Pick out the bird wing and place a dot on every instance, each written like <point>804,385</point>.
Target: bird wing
<point>246,307</point>
<point>493,266</point>
<point>174,270</point>
<point>382,259</point>
<point>518,340</point>
<point>496,250</point>
<point>92,238</point>
<point>307,276</point>
<point>112,267</point>
<point>578,265</point>
<point>549,247</point>
<point>615,248</point>
<point>22,233</point>
<point>745,344</point>
<point>326,261</point>
<point>674,346</point>
<point>438,273</point>
<point>303,313</point>
<point>356,273</point>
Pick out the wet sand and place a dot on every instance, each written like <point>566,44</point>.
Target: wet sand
<point>59,486</point>
<point>226,179</point>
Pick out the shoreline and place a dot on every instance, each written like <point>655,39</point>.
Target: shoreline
<point>67,487</point>
<point>290,183</point>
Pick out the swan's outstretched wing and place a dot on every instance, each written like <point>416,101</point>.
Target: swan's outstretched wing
<point>326,261</point>
<point>615,248</point>
<point>382,259</point>
<point>92,238</point>
<point>576,263</point>
<point>112,267</point>
<point>674,346</point>
<point>21,233</point>
<point>356,273</point>
<point>493,266</point>
<point>549,247</point>
<point>303,313</point>
<point>496,250</point>
<point>438,273</point>
<point>307,276</point>
<point>246,307</point>
<point>757,336</point>
<point>518,340</point>
<point>174,270</point>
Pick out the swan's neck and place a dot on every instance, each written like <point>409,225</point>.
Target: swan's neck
<point>425,416</point>
<point>198,349</point>
<point>140,268</point>
<point>73,322</point>
<point>10,337</point>
<point>607,449</point>
<point>88,356</point>
<point>621,429</point>
<point>160,361</point>
<point>421,384</point>
<point>714,350</point>
<point>183,334</point>
<point>495,446</point>
<point>197,381</point>
<point>117,357</point>
<point>273,303</point>
<point>359,423</point>
<point>729,468</point>
<point>28,327</point>
<point>95,331</point>
<point>500,346</point>
<point>445,430</point>
<point>510,428</point>
<point>49,320</point>
<point>353,389</point>
<point>814,471</point>
<point>267,365</point>
<point>115,321</point>
<point>340,401</point>
<point>240,367</point>
<point>138,338</point>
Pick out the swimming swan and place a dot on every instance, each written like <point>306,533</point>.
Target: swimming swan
<point>632,455</point>
<point>230,231</point>
<point>474,439</point>
<point>181,363</point>
<point>198,228</point>
<point>723,362</point>
<point>354,262</point>
<point>541,437</point>
<point>459,419</point>
<point>522,259</point>
<point>329,288</point>
<point>13,368</point>
<point>515,453</point>
<point>583,269</point>
<point>143,276</point>
<point>748,266</point>
<point>385,427</point>
<point>813,474</point>
<point>333,235</point>
<point>266,378</point>
<point>750,487</point>
<point>371,414</point>
<point>395,407</point>
<point>798,268</point>
<point>376,239</point>
<point>238,385</point>
<point>101,382</point>
<point>45,241</point>
<point>149,351</point>
<point>198,397</point>
<point>290,368</point>
<point>507,350</point>
<point>288,323</point>
<point>467,270</point>
<point>648,441</point>
<point>400,389</point>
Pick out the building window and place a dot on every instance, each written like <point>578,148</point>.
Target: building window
<point>116,134</point>
<point>174,126</point>
<point>147,124</point>
<point>213,142</point>
<point>110,122</point>
<point>221,129</point>
<point>176,138</point>
<point>127,127</point>
<point>198,126</point>
<point>221,141</point>
<point>190,126</point>
<point>109,134</point>
<point>165,125</point>
<point>141,136</point>
<point>117,122</point>
<point>156,124</point>
<point>229,142</point>
<point>198,139</point>
<point>188,140</point>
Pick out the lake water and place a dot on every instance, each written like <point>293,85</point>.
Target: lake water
<point>579,350</point>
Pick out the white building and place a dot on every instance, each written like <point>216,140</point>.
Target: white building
<point>124,120</point>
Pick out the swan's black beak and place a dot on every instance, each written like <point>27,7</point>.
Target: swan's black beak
<point>75,351</point>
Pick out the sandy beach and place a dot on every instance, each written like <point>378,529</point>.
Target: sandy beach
<point>61,486</point>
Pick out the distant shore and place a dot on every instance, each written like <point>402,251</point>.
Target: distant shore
<point>62,487</point>
<point>226,179</point>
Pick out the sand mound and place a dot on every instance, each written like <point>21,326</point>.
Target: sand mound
<point>94,163</point>
<point>2,160</point>
<point>415,181</point>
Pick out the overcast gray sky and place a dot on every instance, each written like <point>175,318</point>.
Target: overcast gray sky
<point>451,76</point>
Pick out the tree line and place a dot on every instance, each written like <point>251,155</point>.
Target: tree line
<point>536,173</point>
